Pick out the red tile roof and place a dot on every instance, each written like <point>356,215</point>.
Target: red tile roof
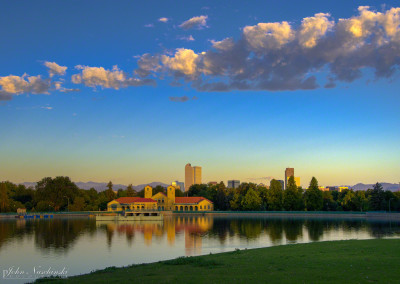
<point>190,199</point>
<point>126,200</point>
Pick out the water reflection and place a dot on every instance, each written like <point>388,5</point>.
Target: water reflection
<point>61,234</point>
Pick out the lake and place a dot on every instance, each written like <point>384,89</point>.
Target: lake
<point>80,245</point>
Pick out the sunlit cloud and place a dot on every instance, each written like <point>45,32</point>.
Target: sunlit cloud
<point>100,77</point>
<point>163,20</point>
<point>55,69</point>
<point>266,56</point>
<point>198,22</point>
<point>278,56</point>
<point>16,85</point>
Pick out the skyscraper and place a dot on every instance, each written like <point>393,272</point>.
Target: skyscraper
<point>189,176</point>
<point>197,175</point>
<point>289,172</point>
<point>192,176</point>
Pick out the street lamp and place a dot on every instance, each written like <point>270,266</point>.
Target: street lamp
<point>68,202</point>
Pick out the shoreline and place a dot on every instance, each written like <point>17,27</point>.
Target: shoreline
<point>236,214</point>
<point>352,261</point>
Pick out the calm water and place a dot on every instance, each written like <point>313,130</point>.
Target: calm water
<point>80,245</point>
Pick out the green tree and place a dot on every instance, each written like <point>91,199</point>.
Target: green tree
<point>348,201</point>
<point>158,189</point>
<point>78,205</point>
<point>377,197</point>
<point>360,201</point>
<point>220,199</point>
<point>291,196</point>
<point>252,200</point>
<point>130,192</point>
<point>121,193</point>
<point>235,202</point>
<point>56,191</point>
<point>4,201</point>
<point>313,196</point>
<point>275,196</point>
<point>110,194</point>
<point>329,203</point>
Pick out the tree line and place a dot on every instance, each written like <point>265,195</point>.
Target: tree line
<point>253,197</point>
<point>61,194</point>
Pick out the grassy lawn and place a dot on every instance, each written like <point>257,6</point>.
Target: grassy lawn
<point>365,261</point>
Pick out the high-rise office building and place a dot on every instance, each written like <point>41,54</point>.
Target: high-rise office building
<point>192,176</point>
<point>233,183</point>
<point>289,172</point>
<point>189,176</point>
<point>197,175</point>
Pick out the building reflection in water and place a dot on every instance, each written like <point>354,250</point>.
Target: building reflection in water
<point>60,234</point>
<point>192,228</point>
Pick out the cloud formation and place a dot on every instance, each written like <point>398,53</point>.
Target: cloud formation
<point>55,69</point>
<point>100,77</point>
<point>198,22</point>
<point>266,56</point>
<point>163,20</point>
<point>16,85</point>
<point>283,56</point>
<point>183,62</point>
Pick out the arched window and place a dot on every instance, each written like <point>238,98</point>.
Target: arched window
<point>191,208</point>
<point>196,208</point>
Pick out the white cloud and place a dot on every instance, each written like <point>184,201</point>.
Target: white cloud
<point>313,28</point>
<point>115,78</point>
<point>277,56</point>
<point>198,22</point>
<point>16,85</point>
<point>265,36</point>
<point>55,69</point>
<point>184,61</point>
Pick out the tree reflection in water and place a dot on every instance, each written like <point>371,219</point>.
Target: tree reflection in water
<point>60,234</point>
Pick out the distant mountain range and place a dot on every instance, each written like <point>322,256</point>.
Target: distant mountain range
<point>385,185</point>
<point>100,186</point>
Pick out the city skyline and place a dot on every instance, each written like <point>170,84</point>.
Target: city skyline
<point>130,93</point>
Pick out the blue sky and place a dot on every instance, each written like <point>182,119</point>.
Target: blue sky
<point>112,130</point>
